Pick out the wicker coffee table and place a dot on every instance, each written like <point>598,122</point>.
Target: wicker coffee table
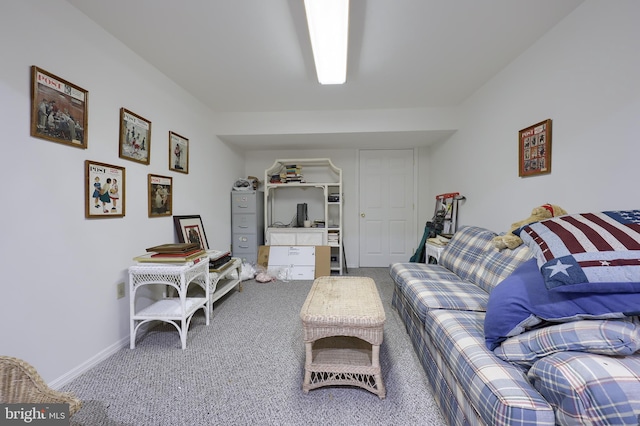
<point>343,323</point>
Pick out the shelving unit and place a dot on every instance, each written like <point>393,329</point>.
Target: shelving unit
<point>176,311</point>
<point>223,281</point>
<point>321,189</point>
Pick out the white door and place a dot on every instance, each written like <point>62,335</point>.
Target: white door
<point>386,200</point>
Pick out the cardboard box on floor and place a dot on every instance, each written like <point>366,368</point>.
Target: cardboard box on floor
<point>305,262</point>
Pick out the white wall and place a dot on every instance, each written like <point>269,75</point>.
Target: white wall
<point>58,306</point>
<point>583,75</point>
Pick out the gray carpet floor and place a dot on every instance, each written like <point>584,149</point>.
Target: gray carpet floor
<point>246,368</point>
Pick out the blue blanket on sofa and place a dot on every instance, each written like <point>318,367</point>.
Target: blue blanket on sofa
<point>522,302</point>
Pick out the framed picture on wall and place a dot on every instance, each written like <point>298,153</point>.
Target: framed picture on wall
<point>178,153</point>
<point>535,149</point>
<point>160,195</point>
<point>104,190</point>
<point>58,109</point>
<point>191,230</point>
<point>135,137</point>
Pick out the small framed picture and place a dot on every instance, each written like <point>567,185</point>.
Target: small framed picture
<point>535,149</point>
<point>135,137</point>
<point>58,109</point>
<point>160,195</point>
<point>104,190</point>
<point>178,153</point>
<point>191,230</point>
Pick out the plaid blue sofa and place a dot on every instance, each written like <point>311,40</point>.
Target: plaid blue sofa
<point>443,308</point>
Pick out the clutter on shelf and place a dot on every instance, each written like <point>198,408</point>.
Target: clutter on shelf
<point>172,253</point>
<point>439,240</point>
<point>289,173</point>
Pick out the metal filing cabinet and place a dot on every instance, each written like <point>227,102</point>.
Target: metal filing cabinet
<point>247,224</point>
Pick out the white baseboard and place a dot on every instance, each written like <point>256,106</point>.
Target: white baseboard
<point>99,357</point>
<point>89,364</point>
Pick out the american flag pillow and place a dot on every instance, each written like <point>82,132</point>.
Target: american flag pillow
<point>588,252</point>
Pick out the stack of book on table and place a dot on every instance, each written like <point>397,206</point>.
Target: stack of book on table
<point>178,253</point>
<point>218,260</point>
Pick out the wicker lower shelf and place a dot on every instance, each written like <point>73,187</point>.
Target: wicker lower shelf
<point>346,361</point>
<point>171,308</point>
<point>340,350</point>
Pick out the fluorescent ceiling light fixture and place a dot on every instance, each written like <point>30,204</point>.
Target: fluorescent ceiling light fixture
<point>328,22</point>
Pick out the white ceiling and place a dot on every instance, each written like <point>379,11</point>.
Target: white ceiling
<point>252,56</point>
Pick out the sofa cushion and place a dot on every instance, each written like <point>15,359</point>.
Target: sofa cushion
<point>522,301</point>
<point>590,389</point>
<point>589,252</point>
<point>498,390</point>
<point>605,337</point>
<point>466,251</point>
<point>427,287</point>
<point>496,265</point>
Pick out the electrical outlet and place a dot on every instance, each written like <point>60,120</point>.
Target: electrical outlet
<point>120,290</point>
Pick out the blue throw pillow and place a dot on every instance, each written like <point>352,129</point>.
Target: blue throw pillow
<point>588,252</point>
<point>522,302</point>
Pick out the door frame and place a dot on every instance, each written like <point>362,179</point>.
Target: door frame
<point>416,171</point>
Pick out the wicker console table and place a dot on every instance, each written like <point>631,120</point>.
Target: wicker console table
<point>222,281</point>
<point>343,324</point>
<point>176,311</point>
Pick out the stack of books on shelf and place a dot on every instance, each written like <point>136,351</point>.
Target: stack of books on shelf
<point>333,238</point>
<point>218,260</point>
<point>293,173</point>
<point>179,253</point>
<point>290,173</point>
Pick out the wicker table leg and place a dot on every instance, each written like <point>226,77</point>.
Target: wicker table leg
<point>375,364</point>
<point>306,385</point>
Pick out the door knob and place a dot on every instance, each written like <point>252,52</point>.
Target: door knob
<point>362,215</point>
